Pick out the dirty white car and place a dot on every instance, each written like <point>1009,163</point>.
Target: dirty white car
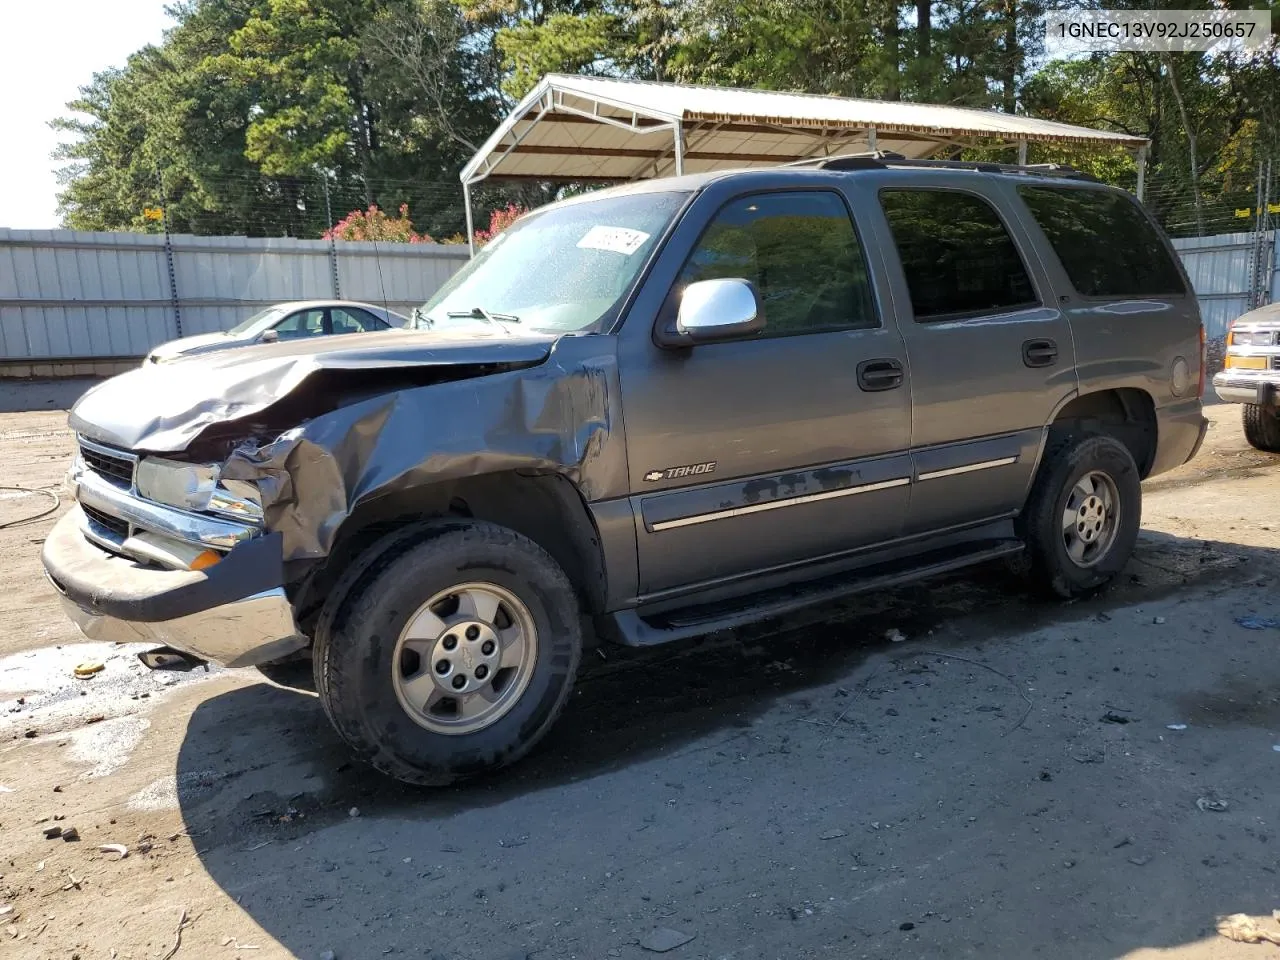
<point>1251,375</point>
<point>285,321</point>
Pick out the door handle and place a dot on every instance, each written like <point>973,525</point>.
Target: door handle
<point>1039,353</point>
<point>876,375</point>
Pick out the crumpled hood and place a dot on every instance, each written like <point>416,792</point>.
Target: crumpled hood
<point>163,407</point>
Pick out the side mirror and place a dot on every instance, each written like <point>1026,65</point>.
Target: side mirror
<point>269,336</point>
<point>715,310</point>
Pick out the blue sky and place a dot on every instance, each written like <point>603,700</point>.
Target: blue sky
<point>51,48</point>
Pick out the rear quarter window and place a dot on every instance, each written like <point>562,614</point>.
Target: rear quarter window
<point>1106,244</point>
<point>957,256</point>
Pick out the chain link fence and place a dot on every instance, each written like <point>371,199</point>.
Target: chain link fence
<point>308,207</point>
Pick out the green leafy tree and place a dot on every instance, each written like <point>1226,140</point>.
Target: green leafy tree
<point>248,108</point>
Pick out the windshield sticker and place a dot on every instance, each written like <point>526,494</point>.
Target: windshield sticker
<point>614,239</point>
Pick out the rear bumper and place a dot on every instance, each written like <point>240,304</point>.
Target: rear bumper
<point>235,613</point>
<point>1180,430</point>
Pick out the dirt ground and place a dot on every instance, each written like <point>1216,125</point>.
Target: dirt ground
<point>1015,779</point>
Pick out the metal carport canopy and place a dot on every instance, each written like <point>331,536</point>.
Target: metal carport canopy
<point>595,129</point>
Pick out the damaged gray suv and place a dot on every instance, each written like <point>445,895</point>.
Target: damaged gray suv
<point>640,415</point>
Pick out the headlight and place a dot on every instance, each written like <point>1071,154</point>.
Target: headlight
<point>1251,338</point>
<point>188,486</point>
<point>199,488</point>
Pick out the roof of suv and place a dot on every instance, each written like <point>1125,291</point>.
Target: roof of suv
<point>846,164</point>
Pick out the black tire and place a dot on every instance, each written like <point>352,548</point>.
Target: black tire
<point>356,636</point>
<point>1069,460</point>
<point>1261,427</point>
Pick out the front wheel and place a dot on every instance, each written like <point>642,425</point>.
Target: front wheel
<point>451,654</point>
<point>1082,518</point>
<point>1261,427</point>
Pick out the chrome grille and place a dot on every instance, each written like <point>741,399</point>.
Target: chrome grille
<point>115,465</point>
<point>116,526</point>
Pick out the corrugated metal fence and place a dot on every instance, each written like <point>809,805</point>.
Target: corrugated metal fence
<point>66,295</point>
<point>1228,272</point>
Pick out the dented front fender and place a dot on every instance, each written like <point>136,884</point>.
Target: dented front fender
<point>561,417</point>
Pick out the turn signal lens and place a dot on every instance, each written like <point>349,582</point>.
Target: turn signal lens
<point>205,560</point>
<point>1246,363</point>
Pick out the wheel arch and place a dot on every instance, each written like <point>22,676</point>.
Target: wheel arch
<point>1126,413</point>
<point>545,507</point>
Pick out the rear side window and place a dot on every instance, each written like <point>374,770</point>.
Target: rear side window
<point>354,321</point>
<point>1105,242</point>
<point>800,251</point>
<point>958,258</point>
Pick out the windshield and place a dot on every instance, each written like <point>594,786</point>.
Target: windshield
<point>262,320</point>
<point>565,269</point>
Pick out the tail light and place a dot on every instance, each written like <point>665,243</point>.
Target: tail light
<point>1200,388</point>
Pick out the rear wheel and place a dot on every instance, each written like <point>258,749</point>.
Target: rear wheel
<point>452,652</point>
<point>1082,518</point>
<point>1261,427</point>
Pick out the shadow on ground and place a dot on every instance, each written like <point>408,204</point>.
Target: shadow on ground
<point>798,789</point>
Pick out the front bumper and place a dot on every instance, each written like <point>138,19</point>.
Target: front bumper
<point>1262,388</point>
<point>234,613</point>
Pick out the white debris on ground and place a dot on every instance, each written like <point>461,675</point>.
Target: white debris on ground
<point>106,747</point>
<point>167,792</point>
<point>102,716</point>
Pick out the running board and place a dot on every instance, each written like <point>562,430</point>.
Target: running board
<point>633,629</point>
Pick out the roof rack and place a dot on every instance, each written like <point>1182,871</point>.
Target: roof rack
<point>871,160</point>
<point>883,160</point>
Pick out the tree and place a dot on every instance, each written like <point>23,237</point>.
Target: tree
<point>1207,117</point>
<point>248,109</point>
<point>816,46</point>
<point>170,128</point>
<point>243,113</point>
<point>427,41</point>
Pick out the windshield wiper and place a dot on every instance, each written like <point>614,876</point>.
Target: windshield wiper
<point>480,313</point>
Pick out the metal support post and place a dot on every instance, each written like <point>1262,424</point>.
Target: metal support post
<point>333,247</point>
<point>471,226</point>
<point>168,256</point>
